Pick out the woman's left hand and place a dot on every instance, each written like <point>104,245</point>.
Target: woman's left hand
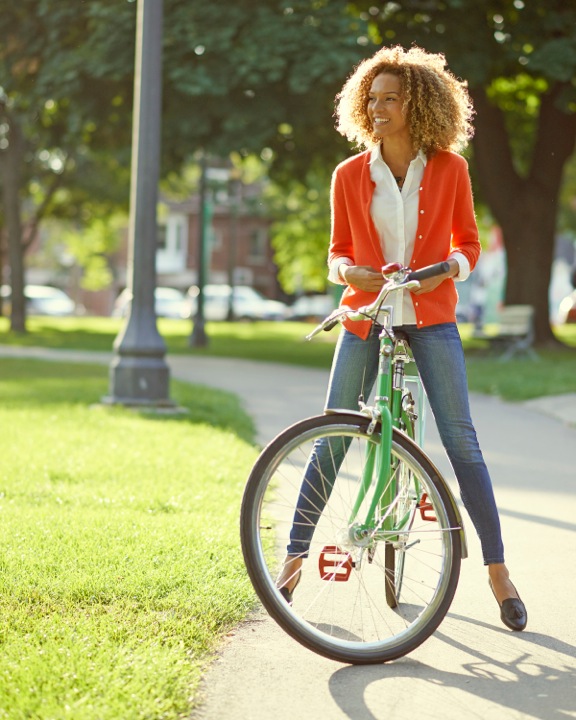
<point>432,283</point>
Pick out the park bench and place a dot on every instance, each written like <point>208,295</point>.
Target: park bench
<point>514,332</point>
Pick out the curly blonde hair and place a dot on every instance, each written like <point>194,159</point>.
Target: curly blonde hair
<point>437,105</point>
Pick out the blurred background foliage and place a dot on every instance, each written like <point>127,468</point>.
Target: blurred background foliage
<point>256,81</point>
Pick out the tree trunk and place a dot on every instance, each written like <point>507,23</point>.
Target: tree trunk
<point>11,163</point>
<point>525,207</point>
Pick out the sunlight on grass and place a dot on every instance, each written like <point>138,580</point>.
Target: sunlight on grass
<point>120,565</point>
<point>265,341</point>
<point>284,342</point>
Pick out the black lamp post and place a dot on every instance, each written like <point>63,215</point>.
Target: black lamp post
<point>139,374</point>
<point>199,338</point>
<point>234,186</point>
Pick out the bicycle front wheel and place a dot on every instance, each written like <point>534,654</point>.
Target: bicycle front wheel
<point>341,608</point>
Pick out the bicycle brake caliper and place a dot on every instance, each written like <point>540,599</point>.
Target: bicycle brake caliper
<point>334,564</point>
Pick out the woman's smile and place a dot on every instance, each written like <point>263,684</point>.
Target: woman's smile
<point>385,106</point>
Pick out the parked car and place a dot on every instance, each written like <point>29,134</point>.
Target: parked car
<point>567,310</point>
<point>248,304</point>
<point>168,303</point>
<point>41,300</point>
<point>312,308</point>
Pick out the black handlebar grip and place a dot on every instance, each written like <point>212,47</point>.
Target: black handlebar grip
<point>429,271</point>
<point>331,325</point>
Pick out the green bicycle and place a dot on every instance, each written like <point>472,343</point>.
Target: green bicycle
<point>386,537</point>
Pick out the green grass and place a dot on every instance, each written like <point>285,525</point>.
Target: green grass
<point>522,378</point>
<point>120,565</point>
<point>519,379</point>
<point>266,341</point>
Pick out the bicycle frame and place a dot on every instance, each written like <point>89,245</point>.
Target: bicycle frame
<point>387,412</point>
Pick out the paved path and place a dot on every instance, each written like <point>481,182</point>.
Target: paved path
<point>472,667</point>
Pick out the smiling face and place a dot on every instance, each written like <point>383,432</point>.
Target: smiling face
<point>385,107</point>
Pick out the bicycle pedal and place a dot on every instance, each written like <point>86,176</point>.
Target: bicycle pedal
<point>334,564</point>
<point>426,509</point>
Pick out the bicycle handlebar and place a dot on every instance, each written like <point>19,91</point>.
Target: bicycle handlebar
<point>403,279</point>
<point>429,271</point>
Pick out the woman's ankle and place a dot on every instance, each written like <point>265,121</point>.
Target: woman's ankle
<point>502,586</point>
<point>289,573</point>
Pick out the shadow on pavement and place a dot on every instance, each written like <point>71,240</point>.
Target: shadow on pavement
<point>527,684</point>
<point>539,519</point>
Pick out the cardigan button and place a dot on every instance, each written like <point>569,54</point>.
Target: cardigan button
<point>421,212</point>
<point>419,237</point>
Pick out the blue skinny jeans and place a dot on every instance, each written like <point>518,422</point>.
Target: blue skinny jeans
<point>439,356</point>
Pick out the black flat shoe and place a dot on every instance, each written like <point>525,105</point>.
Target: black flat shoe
<point>288,594</point>
<point>512,612</point>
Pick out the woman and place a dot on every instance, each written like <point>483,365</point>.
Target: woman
<point>408,198</point>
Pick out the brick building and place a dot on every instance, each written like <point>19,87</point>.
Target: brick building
<point>237,246</point>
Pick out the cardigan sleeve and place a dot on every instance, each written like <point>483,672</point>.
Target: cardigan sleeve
<point>464,228</point>
<point>341,245</point>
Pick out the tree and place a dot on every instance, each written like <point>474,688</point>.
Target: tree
<point>66,88</point>
<point>65,96</point>
<point>300,232</point>
<point>265,80</point>
<point>567,217</point>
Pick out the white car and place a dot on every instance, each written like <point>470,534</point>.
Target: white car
<point>313,308</point>
<point>248,304</point>
<point>168,303</point>
<point>42,300</point>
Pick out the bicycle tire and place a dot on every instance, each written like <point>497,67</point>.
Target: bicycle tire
<point>349,621</point>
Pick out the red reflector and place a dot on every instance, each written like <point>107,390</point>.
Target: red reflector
<point>426,509</point>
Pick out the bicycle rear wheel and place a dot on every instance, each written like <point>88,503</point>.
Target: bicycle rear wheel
<point>340,608</point>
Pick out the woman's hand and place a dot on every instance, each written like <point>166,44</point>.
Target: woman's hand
<point>432,283</point>
<point>362,277</point>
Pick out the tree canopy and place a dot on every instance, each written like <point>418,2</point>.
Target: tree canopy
<point>252,76</point>
<point>65,104</point>
<point>66,82</point>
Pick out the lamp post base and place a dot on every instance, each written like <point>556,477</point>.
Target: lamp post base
<point>198,338</point>
<point>139,381</point>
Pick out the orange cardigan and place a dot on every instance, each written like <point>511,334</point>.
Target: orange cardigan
<point>446,224</point>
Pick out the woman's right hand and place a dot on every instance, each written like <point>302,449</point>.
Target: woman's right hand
<point>362,277</point>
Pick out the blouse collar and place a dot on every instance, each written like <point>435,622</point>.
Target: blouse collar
<point>376,156</point>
